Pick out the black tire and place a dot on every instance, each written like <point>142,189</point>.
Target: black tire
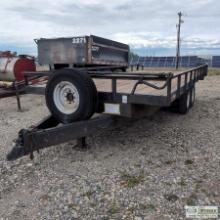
<point>86,94</point>
<point>184,103</point>
<point>192,96</point>
<point>174,107</point>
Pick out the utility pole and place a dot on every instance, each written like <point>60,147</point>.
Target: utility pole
<point>180,14</point>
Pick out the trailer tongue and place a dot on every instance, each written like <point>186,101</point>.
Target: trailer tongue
<point>49,132</point>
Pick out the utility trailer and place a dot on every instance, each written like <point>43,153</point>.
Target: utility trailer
<point>87,77</point>
<point>73,95</point>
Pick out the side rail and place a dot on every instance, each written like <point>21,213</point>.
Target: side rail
<point>146,79</point>
<point>184,81</point>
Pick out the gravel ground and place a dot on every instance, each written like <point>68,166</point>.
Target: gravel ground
<point>147,169</point>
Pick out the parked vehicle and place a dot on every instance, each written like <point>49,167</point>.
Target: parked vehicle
<point>74,94</point>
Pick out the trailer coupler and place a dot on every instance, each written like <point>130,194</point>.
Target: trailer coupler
<point>18,149</point>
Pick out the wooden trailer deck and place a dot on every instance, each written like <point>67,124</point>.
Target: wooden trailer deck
<point>126,86</point>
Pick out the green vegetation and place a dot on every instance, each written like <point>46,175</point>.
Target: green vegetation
<point>170,162</point>
<point>189,162</point>
<point>45,198</point>
<point>171,197</point>
<point>72,206</point>
<point>182,182</point>
<point>191,200</point>
<point>114,208</point>
<point>106,218</point>
<point>131,181</point>
<point>151,207</point>
<point>89,193</point>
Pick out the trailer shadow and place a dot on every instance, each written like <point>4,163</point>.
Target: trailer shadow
<point>155,133</point>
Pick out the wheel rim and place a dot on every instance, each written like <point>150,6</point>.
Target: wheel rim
<point>66,97</point>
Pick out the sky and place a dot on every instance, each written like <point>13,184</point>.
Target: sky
<point>148,26</point>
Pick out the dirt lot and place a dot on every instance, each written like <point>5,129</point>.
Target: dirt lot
<point>148,169</point>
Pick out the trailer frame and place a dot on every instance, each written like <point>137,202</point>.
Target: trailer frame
<point>50,132</point>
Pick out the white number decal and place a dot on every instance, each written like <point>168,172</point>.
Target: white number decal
<point>79,40</point>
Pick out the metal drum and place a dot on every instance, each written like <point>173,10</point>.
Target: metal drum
<point>12,67</point>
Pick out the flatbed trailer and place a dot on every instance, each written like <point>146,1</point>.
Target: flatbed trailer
<point>119,94</point>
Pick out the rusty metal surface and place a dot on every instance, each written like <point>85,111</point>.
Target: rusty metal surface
<point>86,50</point>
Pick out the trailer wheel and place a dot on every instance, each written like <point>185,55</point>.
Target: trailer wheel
<point>71,95</point>
<point>192,96</point>
<point>184,103</point>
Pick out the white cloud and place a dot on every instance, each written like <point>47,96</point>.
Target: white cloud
<point>141,23</point>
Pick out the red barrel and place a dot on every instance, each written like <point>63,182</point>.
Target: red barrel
<point>12,68</point>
